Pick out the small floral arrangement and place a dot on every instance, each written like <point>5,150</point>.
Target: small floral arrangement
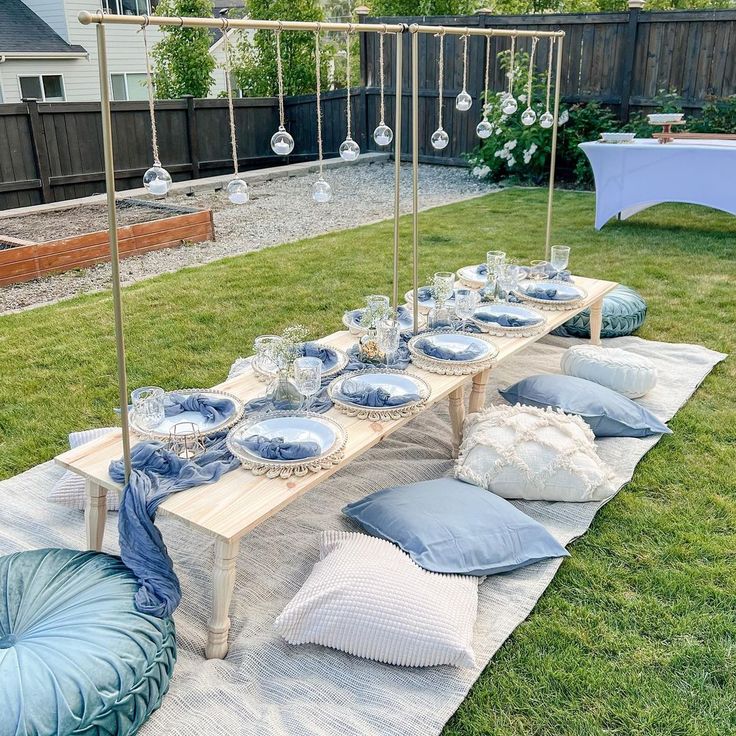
<point>286,350</point>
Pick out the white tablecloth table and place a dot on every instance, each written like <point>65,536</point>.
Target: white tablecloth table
<point>629,177</point>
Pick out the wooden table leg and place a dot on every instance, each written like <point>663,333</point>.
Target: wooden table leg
<point>223,582</point>
<point>95,514</point>
<point>596,321</point>
<point>478,394</point>
<point>457,417</point>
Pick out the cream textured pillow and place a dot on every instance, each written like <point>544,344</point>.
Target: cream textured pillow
<point>366,597</point>
<point>630,374</point>
<point>69,490</point>
<point>532,453</point>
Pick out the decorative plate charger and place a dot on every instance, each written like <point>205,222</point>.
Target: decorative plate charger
<point>553,295</point>
<point>333,361</point>
<point>379,395</point>
<point>281,444</point>
<point>426,300</point>
<point>508,320</point>
<point>192,413</point>
<point>353,320</point>
<point>475,277</point>
<point>451,353</point>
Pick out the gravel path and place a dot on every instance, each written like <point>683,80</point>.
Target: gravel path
<point>280,211</point>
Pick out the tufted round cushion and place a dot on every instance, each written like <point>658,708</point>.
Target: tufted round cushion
<point>624,311</point>
<point>532,453</point>
<point>76,657</point>
<point>627,373</point>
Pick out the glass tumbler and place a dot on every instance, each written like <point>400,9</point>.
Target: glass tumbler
<point>388,334</point>
<point>148,406</point>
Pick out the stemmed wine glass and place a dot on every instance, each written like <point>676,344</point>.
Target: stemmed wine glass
<point>443,284</point>
<point>389,336</point>
<point>466,300</point>
<point>560,257</point>
<point>308,379</point>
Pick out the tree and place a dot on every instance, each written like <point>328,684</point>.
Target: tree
<point>423,7</point>
<point>254,62</point>
<point>183,62</point>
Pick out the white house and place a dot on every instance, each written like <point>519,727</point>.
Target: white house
<point>46,53</point>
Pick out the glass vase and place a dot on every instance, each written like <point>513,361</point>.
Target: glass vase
<point>284,395</point>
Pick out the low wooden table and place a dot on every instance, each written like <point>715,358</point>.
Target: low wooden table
<point>239,501</point>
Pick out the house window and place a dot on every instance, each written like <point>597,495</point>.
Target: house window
<point>44,87</point>
<point>129,86</point>
<point>128,7</point>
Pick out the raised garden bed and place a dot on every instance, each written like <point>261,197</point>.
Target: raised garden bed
<point>52,241</point>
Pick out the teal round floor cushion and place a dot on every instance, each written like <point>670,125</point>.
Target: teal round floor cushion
<point>76,657</point>
<point>624,311</point>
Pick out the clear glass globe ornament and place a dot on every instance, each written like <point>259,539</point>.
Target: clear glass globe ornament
<point>563,117</point>
<point>528,117</point>
<point>157,180</point>
<point>321,191</point>
<point>349,150</point>
<point>282,144</point>
<point>237,191</point>
<point>383,135</point>
<point>509,105</point>
<point>463,101</point>
<point>439,139</point>
<point>546,119</point>
<point>484,129</point>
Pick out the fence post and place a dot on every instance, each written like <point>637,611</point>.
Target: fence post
<point>192,136</point>
<point>40,152</point>
<point>629,55</point>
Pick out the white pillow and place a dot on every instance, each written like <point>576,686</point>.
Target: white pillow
<point>630,374</point>
<point>69,490</point>
<point>368,598</point>
<point>532,453</point>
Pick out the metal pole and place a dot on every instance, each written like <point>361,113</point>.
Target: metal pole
<point>553,153</point>
<point>117,301</point>
<point>399,87</point>
<point>415,174</point>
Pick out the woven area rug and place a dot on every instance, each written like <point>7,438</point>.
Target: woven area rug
<point>268,687</point>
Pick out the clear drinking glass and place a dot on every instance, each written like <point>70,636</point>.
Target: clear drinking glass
<point>389,336</point>
<point>538,270</point>
<point>560,257</point>
<point>308,378</point>
<point>443,283</point>
<point>378,307</point>
<point>263,346</point>
<point>148,406</point>
<point>466,300</point>
<point>494,260</point>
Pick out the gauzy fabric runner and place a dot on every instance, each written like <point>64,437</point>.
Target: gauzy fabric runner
<point>214,409</point>
<point>156,473</point>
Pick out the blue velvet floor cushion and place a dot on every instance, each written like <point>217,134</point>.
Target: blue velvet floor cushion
<point>608,413</point>
<point>624,311</point>
<point>76,657</point>
<point>450,526</point>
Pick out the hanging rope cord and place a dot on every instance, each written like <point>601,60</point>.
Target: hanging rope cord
<point>229,89</point>
<point>549,71</point>
<point>530,76</point>
<point>486,104</point>
<point>151,104</point>
<point>381,78</point>
<point>441,76</point>
<point>512,65</point>
<point>318,64</point>
<point>280,77</point>
<point>466,38</point>
<point>347,78</point>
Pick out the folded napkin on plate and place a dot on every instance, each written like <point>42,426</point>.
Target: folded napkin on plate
<point>276,448</point>
<point>554,275</point>
<point>213,409</point>
<point>357,392</point>
<point>315,350</point>
<point>541,292</point>
<point>482,269</point>
<point>506,320</point>
<point>425,293</point>
<point>441,352</point>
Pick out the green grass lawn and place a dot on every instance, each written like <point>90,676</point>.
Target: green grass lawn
<point>637,633</point>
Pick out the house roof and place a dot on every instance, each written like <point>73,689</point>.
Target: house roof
<point>22,31</point>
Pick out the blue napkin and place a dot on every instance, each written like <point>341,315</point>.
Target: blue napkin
<point>482,269</point>
<point>506,320</point>
<point>425,294</point>
<point>355,391</point>
<point>213,409</point>
<point>314,350</point>
<point>276,448</point>
<point>445,353</point>
<point>157,473</point>
<point>554,275</point>
<point>541,292</point>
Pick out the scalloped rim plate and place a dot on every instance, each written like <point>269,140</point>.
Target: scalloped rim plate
<point>264,373</point>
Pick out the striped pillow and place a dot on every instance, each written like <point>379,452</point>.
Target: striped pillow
<point>368,598</point>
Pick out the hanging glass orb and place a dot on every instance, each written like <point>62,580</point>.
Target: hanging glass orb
<point>321,191</point>
<point>546,119</point>
<point>463,101</point>
<point>484,129</point>
<point>157,180</point>
<point>282,144</point>
<point>563,117</point>
<point>383,135</point>
<point>439,139</point>
<point>237,191</point>
<point>528,117</point>
<point>509,105</point>
<point>349,150</point>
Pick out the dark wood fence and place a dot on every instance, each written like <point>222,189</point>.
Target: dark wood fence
<point>53,151</point>
<point>620,59</point>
